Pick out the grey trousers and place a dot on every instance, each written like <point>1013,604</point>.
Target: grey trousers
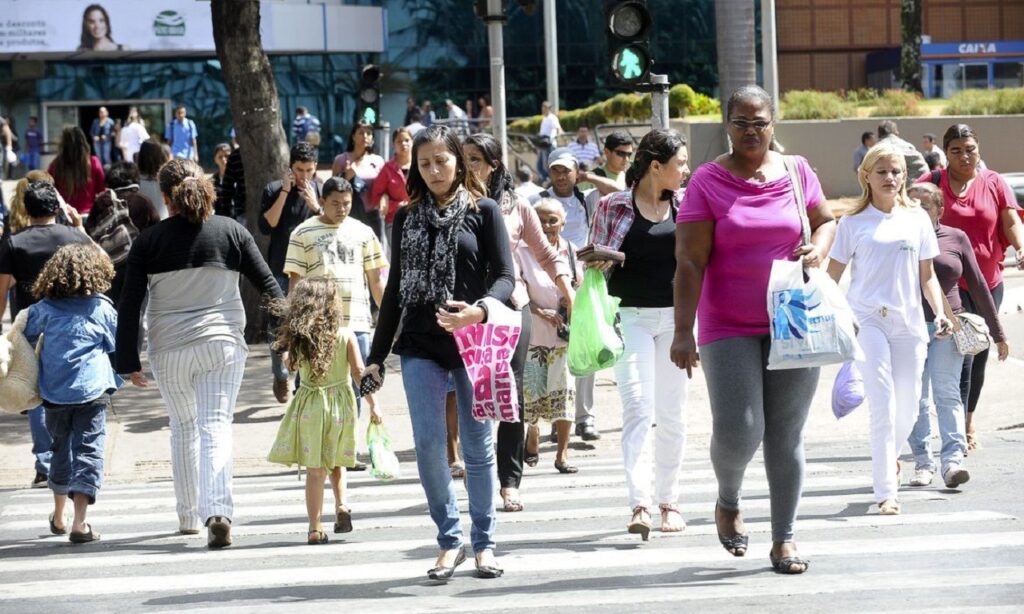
<point>751,405</point>
<point>585,400</point>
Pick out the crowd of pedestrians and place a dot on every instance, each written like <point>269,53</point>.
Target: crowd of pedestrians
<point>394,256</point>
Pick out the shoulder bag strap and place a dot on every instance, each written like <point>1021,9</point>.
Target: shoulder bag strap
<point>955,321</point>
<point>798,191</point>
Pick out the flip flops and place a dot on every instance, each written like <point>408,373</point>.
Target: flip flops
<point>54,529</point>
<point>84,538</point>
<point>343,521</point>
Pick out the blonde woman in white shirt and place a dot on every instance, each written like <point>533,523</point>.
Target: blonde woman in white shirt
<point>889,243</point>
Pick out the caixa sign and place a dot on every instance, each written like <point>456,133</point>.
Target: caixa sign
<point>972,49</point>
<point>977,48</point>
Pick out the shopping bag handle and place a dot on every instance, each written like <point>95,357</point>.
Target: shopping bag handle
<point>801,202</point>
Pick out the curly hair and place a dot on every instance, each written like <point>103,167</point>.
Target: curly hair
<point>191,191</point>
<point>76,270</point>
<point>18,217</point>
<point>312,315</point>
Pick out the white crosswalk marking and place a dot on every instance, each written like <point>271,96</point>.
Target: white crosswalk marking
<point>573,530</point>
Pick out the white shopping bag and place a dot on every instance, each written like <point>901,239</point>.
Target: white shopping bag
<point>811,323</point>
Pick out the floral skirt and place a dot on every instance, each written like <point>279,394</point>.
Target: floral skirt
<point>549,391</point>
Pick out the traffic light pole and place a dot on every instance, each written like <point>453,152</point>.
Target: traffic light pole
<point>495,22</point>
<point>659,101</point>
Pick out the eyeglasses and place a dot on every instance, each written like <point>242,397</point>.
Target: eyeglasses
<point>625,155</point>
<point>744,125</point>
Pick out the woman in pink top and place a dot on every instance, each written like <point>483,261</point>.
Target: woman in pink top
<point>737,216</point>
<point>483,157</point>
<point>980,203</point>
<point>77,173</point>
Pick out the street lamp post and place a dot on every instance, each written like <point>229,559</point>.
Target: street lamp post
<point>769,53</point>
<point>495,19</point>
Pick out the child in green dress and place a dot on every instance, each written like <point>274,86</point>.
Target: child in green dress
<point>318,430</point>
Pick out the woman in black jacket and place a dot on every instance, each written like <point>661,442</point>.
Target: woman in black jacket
<point>449,250</point>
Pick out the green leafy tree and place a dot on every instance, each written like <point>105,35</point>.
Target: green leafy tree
<point>910,50</point>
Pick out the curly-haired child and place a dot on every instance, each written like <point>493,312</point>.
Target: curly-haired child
<point>76,380</point>
<point>318,430</point>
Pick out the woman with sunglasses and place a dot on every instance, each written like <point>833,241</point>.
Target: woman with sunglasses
<point>739,214</point>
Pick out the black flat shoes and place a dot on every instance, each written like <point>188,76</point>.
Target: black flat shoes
<point>444,573</point>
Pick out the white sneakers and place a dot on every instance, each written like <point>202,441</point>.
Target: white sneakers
<point>954,476</point>
<point>922,477</point>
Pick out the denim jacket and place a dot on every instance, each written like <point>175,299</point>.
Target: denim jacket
<point>78,334</point>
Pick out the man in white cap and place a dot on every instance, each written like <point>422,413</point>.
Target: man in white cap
<point>563,167</point>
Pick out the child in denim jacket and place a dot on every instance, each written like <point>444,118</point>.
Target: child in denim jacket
<point>78,324</point>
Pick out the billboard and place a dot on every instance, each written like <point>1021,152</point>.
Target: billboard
<point>62,26</point>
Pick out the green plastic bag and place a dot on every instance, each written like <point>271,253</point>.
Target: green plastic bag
<point>383,461</point>
<point>595,342</point>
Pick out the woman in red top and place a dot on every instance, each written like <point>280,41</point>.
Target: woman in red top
<point>77,173</point>
<point>980,203</point>
<point>389,188</point>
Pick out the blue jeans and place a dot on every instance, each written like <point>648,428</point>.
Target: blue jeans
<point>41,440</point>
<point>426,385</point>
<point>79,432</point>
<point>941,385</point>
<point>276,364</point>
<point>103,151</point>
<point>31,159</point>
<point>542,163</point>
<point>363,341</point>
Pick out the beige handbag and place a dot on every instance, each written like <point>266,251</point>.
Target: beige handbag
<point>19,369</point>
<point>970,332</point>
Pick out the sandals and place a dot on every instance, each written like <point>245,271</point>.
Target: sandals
<point>84,538</point>
<point>458,470</point>
<point>669,527</point>
<point>511,502</point>
<point>566,467</point>
<point>735,545</point>
<point>316,537</point>
<point>531,459</point>
<point>343,520</point>
<point>54,529</point>
<point>637,524</point>
<point>785,564</point>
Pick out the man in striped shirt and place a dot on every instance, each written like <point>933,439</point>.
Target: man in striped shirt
<point>585,150</point>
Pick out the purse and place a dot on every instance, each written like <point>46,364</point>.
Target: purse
<point>970,332</point>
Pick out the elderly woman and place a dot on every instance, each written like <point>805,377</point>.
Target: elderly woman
<point>640,222</point>
<point>889,244</point>
<point>944,364</point>
<point>980,203</point>
<point>738,215</point>
<point>483,156</point>
<point>190,264</point>
<point>450,250</point>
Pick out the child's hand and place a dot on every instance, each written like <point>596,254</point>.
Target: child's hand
<point>139,379</point>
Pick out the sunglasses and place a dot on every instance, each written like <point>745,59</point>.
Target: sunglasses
<point>741,124</point>
<point>625,155</point>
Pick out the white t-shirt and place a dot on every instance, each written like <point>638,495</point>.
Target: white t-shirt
<point>576,229</point>
<point>884,251</point>
<point>454,112</point>
<point>550,126</point>
<point>132,137</point>
<point>528,189</point>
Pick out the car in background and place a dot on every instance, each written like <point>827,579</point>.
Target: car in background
<point>1016,181</point>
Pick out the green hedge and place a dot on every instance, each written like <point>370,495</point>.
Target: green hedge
<point>897,103</point>
<point>811,104</point>
<point>987,102</point>
<point>682,101</point>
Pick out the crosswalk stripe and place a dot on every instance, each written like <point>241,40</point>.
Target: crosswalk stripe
<point>417,517</point>
<point>564,563</point>
<point>82,560</point>
<point>411,494</point>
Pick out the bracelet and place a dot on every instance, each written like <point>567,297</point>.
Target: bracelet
<point>286,191</point>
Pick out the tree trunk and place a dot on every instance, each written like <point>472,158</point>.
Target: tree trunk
<point>910,53</point>
<point>734,34</point>
<point>257,118</point>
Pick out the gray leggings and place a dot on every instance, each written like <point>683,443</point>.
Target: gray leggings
<point>750,404</point>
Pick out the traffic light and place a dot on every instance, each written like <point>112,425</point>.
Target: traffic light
<point>629,22</point>
<point>369,95</point>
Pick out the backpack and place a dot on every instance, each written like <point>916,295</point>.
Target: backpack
<point>114,230</point>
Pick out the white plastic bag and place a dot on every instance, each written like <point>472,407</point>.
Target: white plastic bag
<point>811,323</point>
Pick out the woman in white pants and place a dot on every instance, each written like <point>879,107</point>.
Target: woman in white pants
<point>190,263</point>
<point>889,243</point>
<point>640,222</point>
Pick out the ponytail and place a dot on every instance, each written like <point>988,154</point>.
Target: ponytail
<point>193,199</point>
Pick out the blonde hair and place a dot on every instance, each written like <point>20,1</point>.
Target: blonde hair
<point>874,155</point>
<point>76,270</point>
<point>18,217</point>
<point>312,315</point>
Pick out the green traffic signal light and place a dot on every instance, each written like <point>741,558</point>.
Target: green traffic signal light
<point>630,64</point>
<point>370,116</point>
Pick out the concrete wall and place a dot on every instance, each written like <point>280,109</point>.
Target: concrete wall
<point>829,145</point>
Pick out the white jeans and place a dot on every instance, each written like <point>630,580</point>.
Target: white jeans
<point>653,390</point>
<point>199,384</point>
<point>893,363</point>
